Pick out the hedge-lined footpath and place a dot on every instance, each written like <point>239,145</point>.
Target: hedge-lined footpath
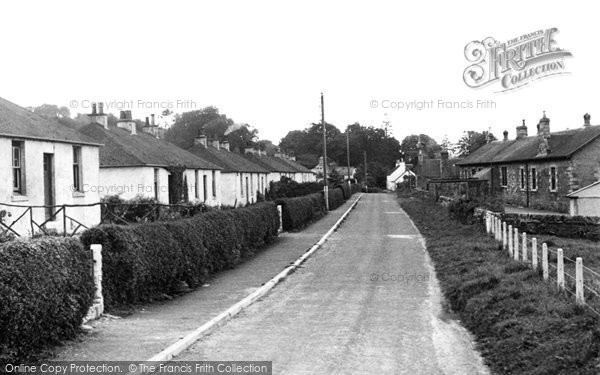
<point>301,211</point>
<point>46,288</point>
<point>143,261</point>
<point>522,324</point>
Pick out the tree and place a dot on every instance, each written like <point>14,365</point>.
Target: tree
<point>410,147</point>
<point>471,141</point>
<point>51,111</point>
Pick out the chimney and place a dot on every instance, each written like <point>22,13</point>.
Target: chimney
<point>292,157</point>
<point>215,144</point>
<point>98,118</point>
<point>544,135</point>
<point>153,122</point>
<point>249,150</point>
<point>505,135</point>
<point>259,152</point>
<point>522,131</point>
<point>126,123</point>
<point>225,145</point>
<point>200,140</point>
<point>100,108</point>
<point>280,155</point>
<point>586,120</point>
<point>444,155</point>
<point>147,127</point>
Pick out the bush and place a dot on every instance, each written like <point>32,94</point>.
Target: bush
<point>143,210</point>
<point>46,286</point>
<point>463,209</point>
<point>336,198</point>
<point>288,188</point>
<point>145,261</point>
<point>300,211</point>
<point>354,188</point>
<point>345,190</point>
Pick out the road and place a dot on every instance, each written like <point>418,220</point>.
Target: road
<point>366,303</point>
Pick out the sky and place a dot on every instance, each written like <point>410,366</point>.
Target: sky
<point>265,63</point>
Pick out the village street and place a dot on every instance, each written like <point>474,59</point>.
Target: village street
<point>367,302</point>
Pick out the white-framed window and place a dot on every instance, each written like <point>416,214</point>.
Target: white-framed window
<point>77,170</point>
<point>18,175</point>
<point>533,177</point>
<point>503,176</point>
<point>553,179</point>
<point>522,178</point>
<point>197,184</point>
<point>205,186</point>
<point>214,184</point>
<point>242,185</point>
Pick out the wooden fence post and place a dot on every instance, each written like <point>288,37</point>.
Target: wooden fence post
<point>560,269</point>
<point>524,247</point>
<point>97,308</point>
<point>510,240</point>
<point>487,222</point>
<point>280,210</point>
<point>534,253</point>
<point>516,247</point>
<point>579,281</point>
<point>545,261</point>
<point>504,244</point>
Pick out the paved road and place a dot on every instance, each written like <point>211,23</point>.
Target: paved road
<point>366,303</point>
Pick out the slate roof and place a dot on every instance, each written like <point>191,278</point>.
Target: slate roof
<point>18,122</point>
<point>562,145</point>
<point>229,161</point>
<point>272,164</point>
<point>122,149</point>
<point>297,166</point>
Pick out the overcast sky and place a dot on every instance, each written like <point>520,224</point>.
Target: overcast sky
<point>265,62</point>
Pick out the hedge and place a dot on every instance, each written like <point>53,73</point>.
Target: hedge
<point>143,261</point>
<point>288,188</point>
<point>46,286</point>
<point>300,211</point>
<point>336,198</point>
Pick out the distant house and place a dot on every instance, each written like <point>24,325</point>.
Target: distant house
<point>538,171</point>
<point>277,167</point>
<point>301,174</point>
<point>331,166</point>
<point>136,163</point>
<point>241,179</point>
<point>44,163</point>
<point>398,176</point>
<point>585,201</point>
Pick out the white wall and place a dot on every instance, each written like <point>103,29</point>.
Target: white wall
<point>586,206</point>
<point>33,174</point>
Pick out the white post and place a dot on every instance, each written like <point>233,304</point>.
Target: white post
<point>579,281</point>
<point>97,308</point>
<point>499,230</point>
<point>510,239</point>
<point>487,222</point>
<point>504,235</point>
<point>493,226</point>
<point>516,248</point>
<point>560,269</point>
<point>534,253</point>
<point>545,261</point>
<point>280,210</point>
<point>524,247</point>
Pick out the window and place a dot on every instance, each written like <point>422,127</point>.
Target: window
<point>77,177</point>
<point>473,171</point>
<point>552,178</point>
<point>533,179</point>
<point>522,177</point>
<point>214,184</point>
<point>17,168</point>
<point>205,186</point>
<point>242,184</point>
<point>262,185</point>
<point>503,177</point>
<point>196,184</point>
<point>156,184</point>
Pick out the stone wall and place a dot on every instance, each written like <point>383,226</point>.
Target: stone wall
<point>557,225</point>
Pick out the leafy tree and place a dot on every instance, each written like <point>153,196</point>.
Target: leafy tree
<point>471,141</point>
<point>410,147</point>
<point>51,111</point>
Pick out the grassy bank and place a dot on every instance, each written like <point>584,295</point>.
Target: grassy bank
<point>522,324</point>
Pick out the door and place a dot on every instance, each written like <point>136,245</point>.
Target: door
<point>247,191</point>
<point>49,199</point>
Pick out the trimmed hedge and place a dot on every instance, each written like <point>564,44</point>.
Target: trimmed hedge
<point>288,188</point>
<point>143,261</point>
<point>336,198</point>
<point>46,288</point>
<point>300,211</point>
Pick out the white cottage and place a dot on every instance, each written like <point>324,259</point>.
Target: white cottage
<point>44,166</point>
<point>398,175</point>
<point>137,163</point>
<point>241,179</point>
<point>585,201</point>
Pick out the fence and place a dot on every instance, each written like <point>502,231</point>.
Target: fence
<point>67,218</point>
<point>584,282</point>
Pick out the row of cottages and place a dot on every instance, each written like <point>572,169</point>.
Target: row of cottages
<point>44,164</point>
<point>301,173</point>
<point>241,179</point>
<point>138,163</point>
<point>538,171</point>
<point>277,167</point>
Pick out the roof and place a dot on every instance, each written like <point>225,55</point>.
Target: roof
<point>122,149</point>
<point>272,164</point>
<point>229,161</point>
<point>16,121</point>
<point>562,145</point>
<point>590,191</point>
<point>297,166</point>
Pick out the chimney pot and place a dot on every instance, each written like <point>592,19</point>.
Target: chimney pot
<point>153,121</point>
<point>94,109</point>
<point>505,135</point>
<point>200,140</point>
<point>586,119</point>
<point>122,115</point>
<point>522,131</point>
<point>249,150</point>
<point>101,108</point>
<point>225,145</point>
<point>215,144</point>
<point>147,121</point>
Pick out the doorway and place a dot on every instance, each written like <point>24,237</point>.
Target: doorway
<point>49,196</point>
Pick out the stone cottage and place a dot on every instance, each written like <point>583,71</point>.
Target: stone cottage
<point>538,171</point>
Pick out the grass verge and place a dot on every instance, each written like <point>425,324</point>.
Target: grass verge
<point>522,324</point>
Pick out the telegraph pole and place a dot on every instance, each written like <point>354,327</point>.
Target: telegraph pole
<point>326,185</point>
<point>348,152</point>
<point>366,185</point>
